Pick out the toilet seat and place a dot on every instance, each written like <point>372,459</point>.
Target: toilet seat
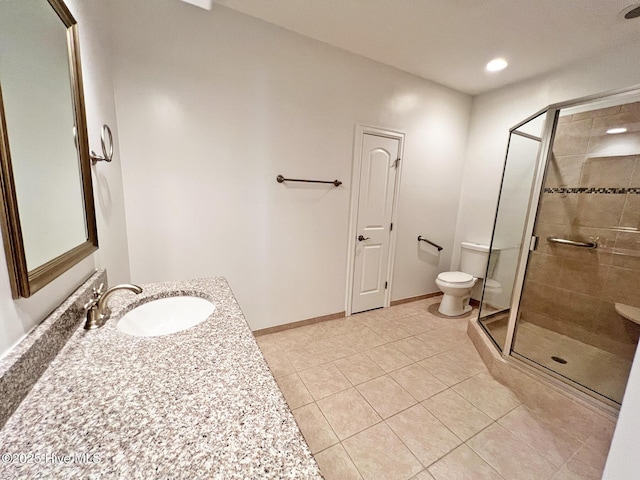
<point>457,279</point>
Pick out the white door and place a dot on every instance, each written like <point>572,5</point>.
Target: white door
<point>378,174</point>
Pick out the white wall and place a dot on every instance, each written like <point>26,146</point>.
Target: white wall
<point>97,68</point>
<point>213,105</point>
<point>18,317</point>
<point>493,114</point>
<point>623,462</point>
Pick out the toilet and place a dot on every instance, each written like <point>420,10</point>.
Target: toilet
<point>457,286</point>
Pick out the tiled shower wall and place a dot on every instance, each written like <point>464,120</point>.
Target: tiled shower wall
<point>591,191</point>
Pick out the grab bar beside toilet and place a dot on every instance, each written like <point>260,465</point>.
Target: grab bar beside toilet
<point>420,239</point>
<point>572,243</point>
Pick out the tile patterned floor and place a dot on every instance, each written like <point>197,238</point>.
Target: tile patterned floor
<point>401,393</point>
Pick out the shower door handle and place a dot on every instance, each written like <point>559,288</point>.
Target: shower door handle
<point>572,243</point>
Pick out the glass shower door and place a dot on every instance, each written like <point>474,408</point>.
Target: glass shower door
<point>579,313</point>
<point>515,196</point>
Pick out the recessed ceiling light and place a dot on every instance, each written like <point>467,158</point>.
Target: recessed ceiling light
<point>612,131</point>
<point>496,65</point>
<point>206,4</point>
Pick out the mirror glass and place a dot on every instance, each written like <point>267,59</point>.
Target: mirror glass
<point>44,141</point>
<point>34,74</point>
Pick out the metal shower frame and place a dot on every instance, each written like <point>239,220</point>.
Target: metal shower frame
<point>527,243</point>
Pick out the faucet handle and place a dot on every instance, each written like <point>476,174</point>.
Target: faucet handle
<point>95,296</point>
<point>90,304</point>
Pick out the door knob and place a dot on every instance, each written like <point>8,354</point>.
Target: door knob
<point>362,238</point>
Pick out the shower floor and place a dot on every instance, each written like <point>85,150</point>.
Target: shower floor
<point>596,369</point>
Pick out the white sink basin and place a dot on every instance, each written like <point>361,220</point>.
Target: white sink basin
<point>165,316</point>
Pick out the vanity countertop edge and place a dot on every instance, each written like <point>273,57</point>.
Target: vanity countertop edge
<point>200,403</point>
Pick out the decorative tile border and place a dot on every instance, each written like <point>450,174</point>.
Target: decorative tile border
<point>565,190</point>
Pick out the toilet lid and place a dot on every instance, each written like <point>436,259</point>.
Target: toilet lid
<point>455,277</point>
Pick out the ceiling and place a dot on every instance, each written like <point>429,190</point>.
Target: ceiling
<point>450,41</point>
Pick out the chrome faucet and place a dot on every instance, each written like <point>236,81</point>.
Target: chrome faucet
<point>97,307</point>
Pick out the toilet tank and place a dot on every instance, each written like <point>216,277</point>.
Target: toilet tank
<point>473,259</point>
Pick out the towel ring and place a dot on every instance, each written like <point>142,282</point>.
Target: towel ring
<point>106,152</point>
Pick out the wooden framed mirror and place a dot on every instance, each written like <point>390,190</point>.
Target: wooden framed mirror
<point>48,214</point>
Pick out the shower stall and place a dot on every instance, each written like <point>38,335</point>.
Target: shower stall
<point>566,242</point>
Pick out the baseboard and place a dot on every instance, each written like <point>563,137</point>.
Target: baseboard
<point>414,299</point>
<point>332,316</point>
<point>301,323</point>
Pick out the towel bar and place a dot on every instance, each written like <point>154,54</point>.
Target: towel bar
<point>420,239</point>
<point>280,179</point>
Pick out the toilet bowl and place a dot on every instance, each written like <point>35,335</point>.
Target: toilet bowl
<point>456,287</point>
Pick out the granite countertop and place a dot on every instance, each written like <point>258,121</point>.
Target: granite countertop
<point>200,403</point>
